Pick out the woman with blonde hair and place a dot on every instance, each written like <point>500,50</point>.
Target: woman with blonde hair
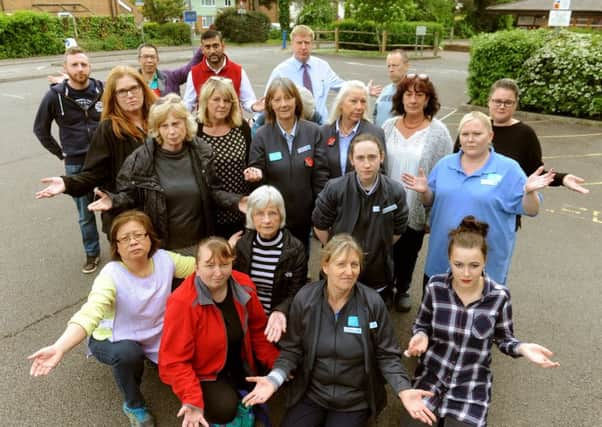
<point>172,179</point>
<point>126,104</point>
<point>221,125</point>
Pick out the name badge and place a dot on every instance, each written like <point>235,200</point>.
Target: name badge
<point>491,179</point>
<point>350,330</point>
<point>275,156</point>
<point>353,321</point>
<point>304,149</point>
<point>390,208</point>
<point>373,325</point>
<point>375,209</point>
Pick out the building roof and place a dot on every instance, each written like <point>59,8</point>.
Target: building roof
<point>546,5</point>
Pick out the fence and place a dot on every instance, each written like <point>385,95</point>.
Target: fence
<point>382,38</point>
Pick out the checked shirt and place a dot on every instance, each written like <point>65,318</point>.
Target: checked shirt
<point>456,365</point>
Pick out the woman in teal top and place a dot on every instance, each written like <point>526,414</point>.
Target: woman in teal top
<point>130,290</point>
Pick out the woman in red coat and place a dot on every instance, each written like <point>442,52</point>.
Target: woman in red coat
<point>212,335</point>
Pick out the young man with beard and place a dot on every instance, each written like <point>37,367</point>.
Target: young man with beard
<point>75,106</point>
<point>216,64</point>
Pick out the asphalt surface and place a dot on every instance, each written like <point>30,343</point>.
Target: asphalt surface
<point>554,279</point>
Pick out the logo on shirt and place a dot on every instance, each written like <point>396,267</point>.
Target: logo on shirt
<point>98,106</point>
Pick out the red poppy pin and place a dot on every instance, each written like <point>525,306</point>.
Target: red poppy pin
<point>331,141</point>
<point>309,162</point>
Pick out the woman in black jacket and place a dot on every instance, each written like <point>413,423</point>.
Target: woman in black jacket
<point>272,257</point>
<point>288,153</point>
<point>340,347</point>
<point>172,179</point>
<point>349,118</point>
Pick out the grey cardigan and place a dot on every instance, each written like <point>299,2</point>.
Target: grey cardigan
<point>438,145</point>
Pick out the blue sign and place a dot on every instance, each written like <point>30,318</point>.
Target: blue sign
<point>190,16</point>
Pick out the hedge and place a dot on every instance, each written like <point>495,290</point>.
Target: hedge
<point>26,34</point>
<point>250,27</point>
<point>397,33</point>
<point>558,73</point>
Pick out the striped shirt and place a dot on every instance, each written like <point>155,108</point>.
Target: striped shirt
<point>265,255</point>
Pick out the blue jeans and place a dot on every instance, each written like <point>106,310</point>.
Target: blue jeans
<point>87,220</point>
<point>126,360</point>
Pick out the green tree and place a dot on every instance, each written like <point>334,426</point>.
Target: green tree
<point>381,11</point>
<point>440,11</point>
<point>480,20</point>
<point>318,13</point>
<point>284,15</point>
<point>162,11</point>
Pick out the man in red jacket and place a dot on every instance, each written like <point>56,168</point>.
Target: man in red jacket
<point>213,333</point>
<point>217,64</point>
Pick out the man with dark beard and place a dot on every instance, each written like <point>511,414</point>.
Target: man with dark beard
<point>75,105</point>
<point>216,64</point>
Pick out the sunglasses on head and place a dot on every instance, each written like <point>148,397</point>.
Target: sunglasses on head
<point>168,100</point>
<point>420,76</point>
<point>221,79</point>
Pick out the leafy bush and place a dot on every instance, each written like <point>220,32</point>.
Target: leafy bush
<point>497,55</point>
<point>105,32</point>
<point>397,33</point>
<point>253,26</point>
<point>318,13</point>
<point>26,34</point>
<point>557,73</point>
<point>381,11</point>
<point>163,11</point>
<point>564,76</point>
<point>170,34</point>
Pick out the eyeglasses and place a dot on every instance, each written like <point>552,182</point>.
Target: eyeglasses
<point>420,76</point>
<point>503,102</point>
<point>124,93</point>
<point>148,56</point>
<point>135,236</point>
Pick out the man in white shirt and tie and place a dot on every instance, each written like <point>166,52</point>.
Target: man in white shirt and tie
<point>315,74</point>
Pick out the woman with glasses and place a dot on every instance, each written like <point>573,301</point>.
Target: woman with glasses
<point>480,182</point>
<point>288,153</point>
<point>349,118</point>
<point>415,140</point>
<point>123,316</point>
<point>126,103</point>
<point>172,179</point>
<point>221,125</point>
<point>213,339</point>
<point>518,140</point>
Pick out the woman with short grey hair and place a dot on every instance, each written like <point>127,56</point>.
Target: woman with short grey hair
<point>272,256</point>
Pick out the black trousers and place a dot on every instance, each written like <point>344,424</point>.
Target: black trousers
<point>221,401</point>
<point>405,254</point>
<point>307,413</point>
<point>442,422</point>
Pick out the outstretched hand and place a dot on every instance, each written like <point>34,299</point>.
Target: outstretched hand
<point>538,355</point>
<point>374,90</point>
<point>417,183</point>
<point>276,326</point>
<point>263,390</point>
<point>573,182</point>
<point>104,202</point>
<point>45,360</point>
<point>252,174</point>
<point>55,185</point>
<point>539,180</point>
<point>193,417</point>
<point>417,345</point>
<point>412,401</point>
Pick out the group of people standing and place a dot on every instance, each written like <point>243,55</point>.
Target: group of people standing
<point>210,228</point>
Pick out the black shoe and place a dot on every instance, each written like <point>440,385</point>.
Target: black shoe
<point>403,304</point>
<point>91,264</point>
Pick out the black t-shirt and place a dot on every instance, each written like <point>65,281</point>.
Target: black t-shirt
<point>233,371</point>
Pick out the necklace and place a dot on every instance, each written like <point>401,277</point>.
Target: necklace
<point>403,119</point>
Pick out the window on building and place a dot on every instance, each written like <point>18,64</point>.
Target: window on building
<point>207,2</point>
<point>207,21</point>
<point>228,3</point>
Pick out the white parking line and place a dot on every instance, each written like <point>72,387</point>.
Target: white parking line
<point>8,95</point>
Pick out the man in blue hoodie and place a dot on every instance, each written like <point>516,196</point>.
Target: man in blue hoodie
<point>75,106</point>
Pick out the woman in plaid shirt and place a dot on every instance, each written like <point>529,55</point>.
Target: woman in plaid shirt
<point>463,312</point>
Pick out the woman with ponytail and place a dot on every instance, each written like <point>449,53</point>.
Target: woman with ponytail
<point>455,367</point>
